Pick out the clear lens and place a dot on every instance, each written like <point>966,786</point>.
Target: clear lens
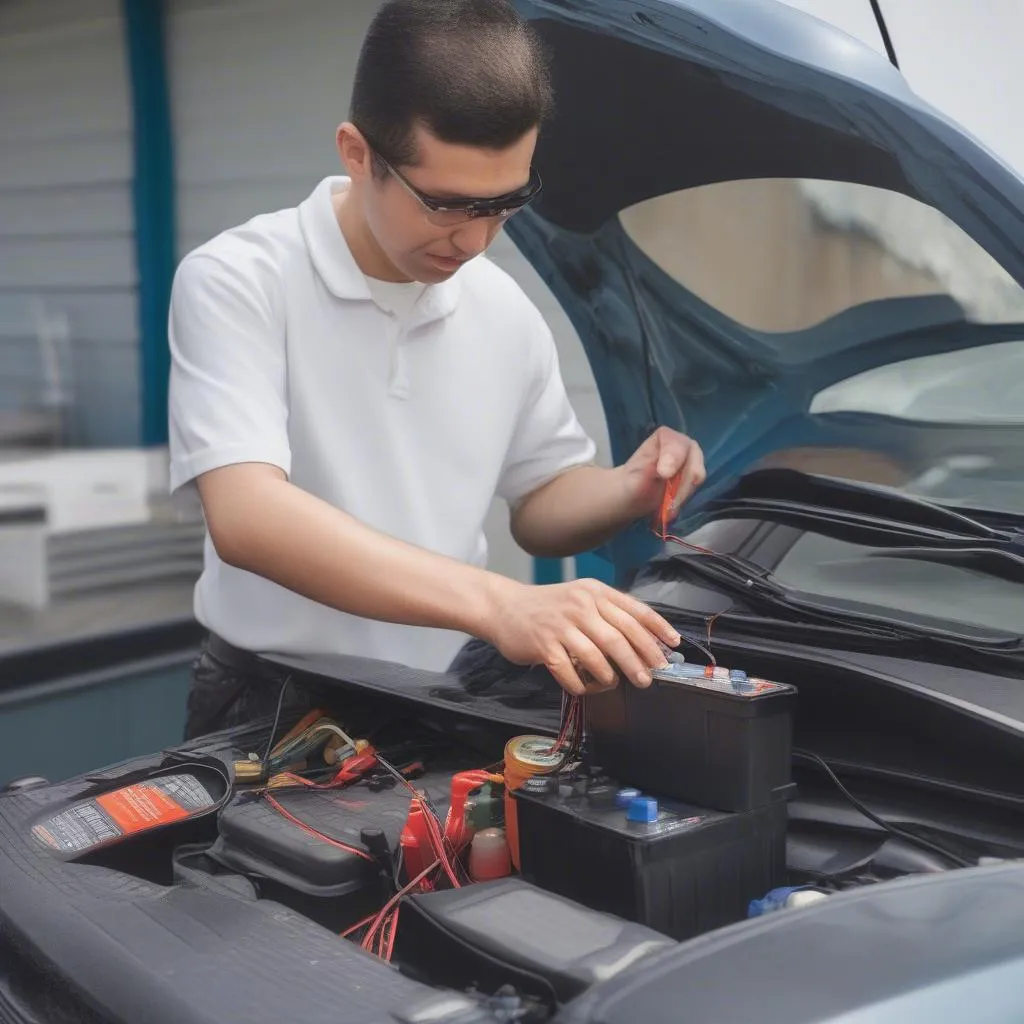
<point>449,218</point>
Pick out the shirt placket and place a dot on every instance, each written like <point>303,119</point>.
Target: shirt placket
<point>398,375</point>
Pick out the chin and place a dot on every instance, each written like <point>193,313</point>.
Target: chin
<point>433,275</point>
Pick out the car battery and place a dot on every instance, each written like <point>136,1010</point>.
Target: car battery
<point>679,869</point>
<point>709,736</point>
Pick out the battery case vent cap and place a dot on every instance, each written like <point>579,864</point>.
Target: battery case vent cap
<point>569,946</point>
<point>643,808</point>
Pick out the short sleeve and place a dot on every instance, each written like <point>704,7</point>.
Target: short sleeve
<point>227,400</point>
<point>549,438</point>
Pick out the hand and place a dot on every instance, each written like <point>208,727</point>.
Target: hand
<point>664,455</point>
<point>583,630</point>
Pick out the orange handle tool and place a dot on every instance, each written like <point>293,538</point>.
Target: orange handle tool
<point>671,490</point>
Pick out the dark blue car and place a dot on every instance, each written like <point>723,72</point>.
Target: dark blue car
<point>766,240</point>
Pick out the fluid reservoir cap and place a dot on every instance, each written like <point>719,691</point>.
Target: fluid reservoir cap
<point>625,797</point>
<point>643,808</point>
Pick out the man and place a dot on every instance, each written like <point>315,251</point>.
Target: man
<point>352,384</point>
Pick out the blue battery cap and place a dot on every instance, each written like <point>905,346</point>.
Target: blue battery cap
<point>740,681</point>
<point>625,797</point>
<point>643,808</point>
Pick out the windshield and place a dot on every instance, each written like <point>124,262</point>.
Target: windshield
<point>782,258</point>
<point>830,568</point>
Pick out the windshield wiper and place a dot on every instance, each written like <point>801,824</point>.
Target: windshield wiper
<point>859,528</point>
<point>789,489</point>
<point>766,598</point>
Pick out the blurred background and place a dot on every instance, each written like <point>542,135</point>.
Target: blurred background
<point>133,130</point>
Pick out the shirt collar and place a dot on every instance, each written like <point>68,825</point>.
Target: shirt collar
<point>337,267</point>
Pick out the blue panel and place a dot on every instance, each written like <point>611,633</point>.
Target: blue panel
<point>153,196</point>
<point>591,565</point>
<point>548,570</point>
<point>59,732</point>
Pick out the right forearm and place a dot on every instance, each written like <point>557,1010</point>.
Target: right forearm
<point>313,549</point>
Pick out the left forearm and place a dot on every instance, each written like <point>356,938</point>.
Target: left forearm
<point>577,511</point>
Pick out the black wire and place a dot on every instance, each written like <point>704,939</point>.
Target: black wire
<point>277,719</point>
<point>706,651</point>
<point>884,29</point>
<point>895,830</point>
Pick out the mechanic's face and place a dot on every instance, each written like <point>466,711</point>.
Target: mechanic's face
<point>415,229</point>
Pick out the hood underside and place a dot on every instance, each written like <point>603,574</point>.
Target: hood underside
<point>708,165</point>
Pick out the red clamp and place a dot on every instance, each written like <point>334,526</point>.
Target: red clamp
<point>355,767</point>
<point>456,834</point>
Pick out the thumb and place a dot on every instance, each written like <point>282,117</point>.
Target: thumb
<point>668,465</point>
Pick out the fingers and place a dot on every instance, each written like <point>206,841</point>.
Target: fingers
<point>604,634</point>
<point>691,476</point>
<point>646,617</point>
<point>592,666</point>
<point>640,638</point>
<point>617,648</point>
<point>560,665</point>
<point>680,457</point>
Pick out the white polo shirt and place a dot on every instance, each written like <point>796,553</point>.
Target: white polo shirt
<point>411,421</point>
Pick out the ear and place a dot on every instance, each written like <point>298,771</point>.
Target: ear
<point>354,152</point>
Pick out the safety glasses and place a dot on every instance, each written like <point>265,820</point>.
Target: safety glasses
<point>448,212</point>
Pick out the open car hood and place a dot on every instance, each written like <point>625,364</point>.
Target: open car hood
<point>741,109</point>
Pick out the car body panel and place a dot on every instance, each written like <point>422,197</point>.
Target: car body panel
<point>708,93</point>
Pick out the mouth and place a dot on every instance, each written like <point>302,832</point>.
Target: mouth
<point>448,262</point>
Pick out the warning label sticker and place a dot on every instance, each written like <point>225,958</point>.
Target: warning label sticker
<point>76,829</point>
<point>123,812</point>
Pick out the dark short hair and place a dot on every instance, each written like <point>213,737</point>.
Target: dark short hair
<point>473,72</point>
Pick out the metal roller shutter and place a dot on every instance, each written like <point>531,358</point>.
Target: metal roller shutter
<point>68,317</point>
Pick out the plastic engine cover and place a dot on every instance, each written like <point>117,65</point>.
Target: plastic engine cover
<point>510,932</point>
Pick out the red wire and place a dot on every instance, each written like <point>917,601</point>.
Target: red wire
<point>664,535</point>
<point>404,891</point>
<point>686,544</point>
<point>362,924</point>
<point>570,723</point>
<point>437,841</point>
<point>393,932</point>
<point>436,836</point>
<point>312,831</point>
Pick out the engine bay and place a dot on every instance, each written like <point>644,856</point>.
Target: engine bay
<point>517,868</point>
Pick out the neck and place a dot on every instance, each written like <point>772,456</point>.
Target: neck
<point>364,247</point>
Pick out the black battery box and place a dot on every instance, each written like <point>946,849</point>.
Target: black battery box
<point>508,932</point>
<point>309,854</point>
<point>679,869</point>
<point>706,736</point>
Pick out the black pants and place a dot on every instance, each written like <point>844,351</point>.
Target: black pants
<point>231,688</point>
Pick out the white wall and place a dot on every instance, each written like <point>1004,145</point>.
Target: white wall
<point>66,228</point>
<point>962,56</point>
<point>258,88</point>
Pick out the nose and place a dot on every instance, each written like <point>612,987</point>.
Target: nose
<point>473,237</point>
